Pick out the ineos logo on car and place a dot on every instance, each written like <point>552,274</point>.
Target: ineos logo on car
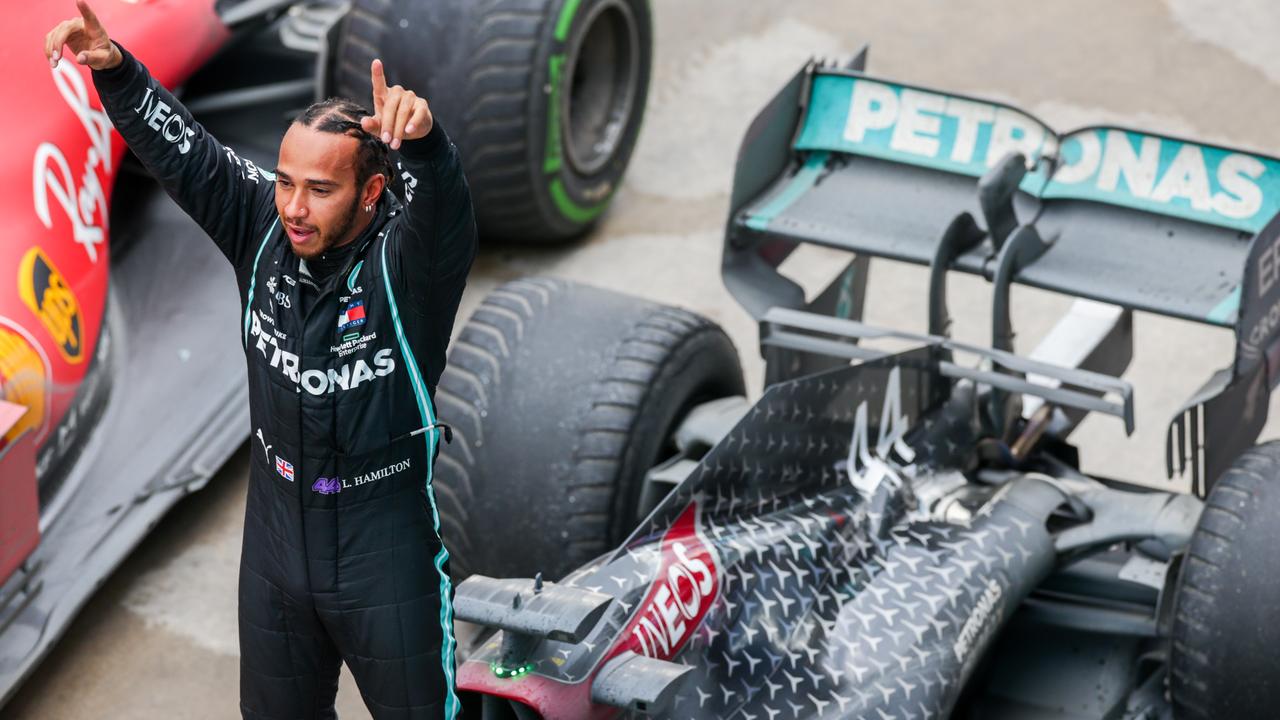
<point>683,591</point>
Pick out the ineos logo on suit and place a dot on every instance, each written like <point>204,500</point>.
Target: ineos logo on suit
<point>161,118</point>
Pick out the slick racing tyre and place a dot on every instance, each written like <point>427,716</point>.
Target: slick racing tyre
<point>1224,661</point>
<point>561,398</point>
<point>543,98</point>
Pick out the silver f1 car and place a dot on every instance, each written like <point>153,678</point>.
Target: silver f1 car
<point>884,534</point>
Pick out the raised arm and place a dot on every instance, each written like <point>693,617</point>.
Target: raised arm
<point>437,244</point>
<point>227,195</point>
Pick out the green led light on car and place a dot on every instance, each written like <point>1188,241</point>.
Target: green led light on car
<point>510,673</point>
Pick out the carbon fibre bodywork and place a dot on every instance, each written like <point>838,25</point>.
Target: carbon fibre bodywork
<point>823,602</point>
<point>805,568</point>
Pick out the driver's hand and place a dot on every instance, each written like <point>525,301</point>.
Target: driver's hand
<point>86,38</point>
<point>398,114</point>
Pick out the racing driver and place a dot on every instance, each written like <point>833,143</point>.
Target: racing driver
<point>349,295</point>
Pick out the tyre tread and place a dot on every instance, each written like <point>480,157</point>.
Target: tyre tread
<point>1205,579</point>
<point>473,378</point>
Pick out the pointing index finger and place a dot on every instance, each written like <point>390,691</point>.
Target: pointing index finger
<point>379,85</point>
<point>90,19</point>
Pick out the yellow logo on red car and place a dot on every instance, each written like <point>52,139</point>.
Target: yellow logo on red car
<point>45,291</point>
<point>22,382</point>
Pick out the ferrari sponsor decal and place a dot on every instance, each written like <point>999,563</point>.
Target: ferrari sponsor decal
<point>1112,165</point>
<point>352,317</point>
<point>683,591</point>
<point>320,382</point>
<point>23,382</point>
<point>284,468</point>
<point>81,198</point>
<point>44,290</point>
<point>161,119</point>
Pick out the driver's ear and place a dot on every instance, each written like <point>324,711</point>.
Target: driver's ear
<point>373,189</point>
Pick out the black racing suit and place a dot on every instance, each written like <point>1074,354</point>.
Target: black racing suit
<point>342,556</point>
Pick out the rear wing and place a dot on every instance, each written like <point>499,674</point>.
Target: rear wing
<point>1134,219</point>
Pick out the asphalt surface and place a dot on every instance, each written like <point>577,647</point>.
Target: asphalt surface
<point>159,640</point>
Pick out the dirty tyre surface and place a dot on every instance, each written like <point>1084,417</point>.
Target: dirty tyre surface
<point>544,98</point>
<point>561,397</point>
<point>360,40</point>
<point>1224,659</point>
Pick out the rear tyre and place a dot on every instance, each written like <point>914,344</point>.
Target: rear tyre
<point>1224,661</point>
<point>544,98</point>
<point>562,397</point>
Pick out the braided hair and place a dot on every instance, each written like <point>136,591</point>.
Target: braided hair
<point>342,116</point>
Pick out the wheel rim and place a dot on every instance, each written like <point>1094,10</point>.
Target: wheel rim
<point>601,73</point>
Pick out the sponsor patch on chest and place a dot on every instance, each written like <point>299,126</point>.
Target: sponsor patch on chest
<point>347,376</point>
<point>352,317</point>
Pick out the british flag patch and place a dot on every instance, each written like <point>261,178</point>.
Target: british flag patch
<point>284,468</point>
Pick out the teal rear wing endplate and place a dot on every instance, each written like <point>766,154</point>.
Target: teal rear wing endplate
<point>1143,221</point>
<point>1135,219</point>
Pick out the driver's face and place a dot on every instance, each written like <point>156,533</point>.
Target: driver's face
<point>316,192</point>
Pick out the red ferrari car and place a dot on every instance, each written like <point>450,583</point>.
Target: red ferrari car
<point>121,381</point>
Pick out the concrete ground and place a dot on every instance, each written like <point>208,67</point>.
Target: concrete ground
<point>159,640</point>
